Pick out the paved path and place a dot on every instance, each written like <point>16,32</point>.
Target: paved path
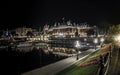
<point>58,66</point>
<point>114,68</point>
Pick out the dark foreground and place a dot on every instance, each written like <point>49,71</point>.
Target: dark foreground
<point>14,62</point>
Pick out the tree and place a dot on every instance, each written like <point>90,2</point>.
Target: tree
<point>90,32</point>
<point>113,31</point>
<point>29,33</point>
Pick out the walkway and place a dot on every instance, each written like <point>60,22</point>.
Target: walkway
<point>114,68</point>
<point>58,66</point>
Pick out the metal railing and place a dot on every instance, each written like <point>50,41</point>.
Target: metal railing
<point>106,65</point>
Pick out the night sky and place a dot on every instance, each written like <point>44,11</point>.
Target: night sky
<point>34,13</point>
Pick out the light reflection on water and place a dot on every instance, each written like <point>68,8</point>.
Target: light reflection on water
<point>48,47</point>
<point>55,48</point>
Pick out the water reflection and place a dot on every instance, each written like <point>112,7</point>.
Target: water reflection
<point>16,60</point>
<point>63,49</point>
<point>30,55</point>
<point>56,49</point>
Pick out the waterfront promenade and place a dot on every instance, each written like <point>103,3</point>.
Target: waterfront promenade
<point>58,66</point>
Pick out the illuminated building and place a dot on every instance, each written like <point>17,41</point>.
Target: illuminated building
<point>66,30</point>
<point>22,31</point>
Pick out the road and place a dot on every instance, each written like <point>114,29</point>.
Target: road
<point>58,66</point>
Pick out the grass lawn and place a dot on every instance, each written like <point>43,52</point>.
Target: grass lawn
<point>87,70</point>
<point>76,69</point>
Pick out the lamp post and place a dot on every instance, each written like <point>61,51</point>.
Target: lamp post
<point>85,41</point>
<point>77,46</point>
<point>95,42</point>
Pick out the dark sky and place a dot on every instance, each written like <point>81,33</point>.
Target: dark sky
<point>39,12</point>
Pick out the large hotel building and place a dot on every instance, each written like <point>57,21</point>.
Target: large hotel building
<point>67,31</point>
<point>58,31</point>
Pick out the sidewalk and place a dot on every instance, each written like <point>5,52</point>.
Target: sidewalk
<point>58,66</point>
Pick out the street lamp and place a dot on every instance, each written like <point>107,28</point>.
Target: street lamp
<point>117,39</point>
<point>95,42</point>
<point>77,46</point>
<point>85,41</point>
<point>101,40</point>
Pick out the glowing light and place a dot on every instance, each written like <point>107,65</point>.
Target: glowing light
<point>85,39</point>
<point>117,38</point>
<point>77,45</point>
<point>102,39</point>
<point>95,40</point>
<point>60,34</point>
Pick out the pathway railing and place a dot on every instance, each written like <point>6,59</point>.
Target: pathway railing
<point>103,71</point>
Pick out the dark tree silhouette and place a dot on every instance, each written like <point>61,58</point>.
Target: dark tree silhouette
<point>29,33</point>
<point>90,32</point>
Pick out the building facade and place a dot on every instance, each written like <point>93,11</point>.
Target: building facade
<point>66,30</point>
<point>23,31</point>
